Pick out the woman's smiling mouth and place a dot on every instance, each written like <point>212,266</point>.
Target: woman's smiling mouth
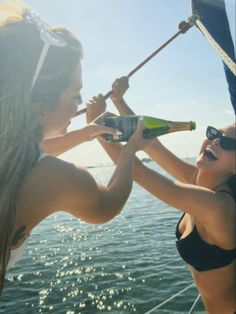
<point>209,154</point>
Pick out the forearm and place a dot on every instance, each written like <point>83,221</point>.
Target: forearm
<point>185,197</point>
<point>188,198</point>
<point>181,170</point>
<point>150,180</point>
<point>113,150</point>
<point>176,167</point>
<point>154,183</point>
<point>124,168</point>
<point>59,145</point>
<point>120,185</point>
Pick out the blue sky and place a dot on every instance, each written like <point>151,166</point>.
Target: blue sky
<point>184,82</point>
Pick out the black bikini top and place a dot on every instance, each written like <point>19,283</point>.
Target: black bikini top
<point>200,254</point>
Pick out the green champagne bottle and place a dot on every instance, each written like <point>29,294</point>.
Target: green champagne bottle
<point>153,127</point>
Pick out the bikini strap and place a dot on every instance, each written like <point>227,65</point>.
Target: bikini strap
<point>224,191</point>
<point>42,155</point>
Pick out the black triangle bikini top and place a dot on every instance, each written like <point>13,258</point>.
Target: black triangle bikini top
<point>200,254</point>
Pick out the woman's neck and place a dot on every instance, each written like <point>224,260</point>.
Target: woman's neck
<point>210,181</point>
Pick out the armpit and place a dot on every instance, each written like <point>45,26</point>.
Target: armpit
<point>19,235</point>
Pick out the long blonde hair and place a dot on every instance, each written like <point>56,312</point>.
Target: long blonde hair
<point>21,111</point>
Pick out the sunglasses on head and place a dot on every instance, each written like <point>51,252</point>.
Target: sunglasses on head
<point>47,36</point>
<point>15,11</point>
<point>226,143</point>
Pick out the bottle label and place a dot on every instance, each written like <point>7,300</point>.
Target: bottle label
<point>126,125</point>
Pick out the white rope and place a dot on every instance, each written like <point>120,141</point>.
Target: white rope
<point>194,304</point>
<point>223,55</point>
<point>171,298</point>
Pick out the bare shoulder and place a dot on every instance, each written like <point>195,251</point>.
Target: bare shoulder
<point>224,219</point>
<point>60,177</point>
<point>227,210</point>
<point>55,185</point>
<point>56,174</point>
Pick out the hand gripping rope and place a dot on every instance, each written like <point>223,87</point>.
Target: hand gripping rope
<point>184,26</point>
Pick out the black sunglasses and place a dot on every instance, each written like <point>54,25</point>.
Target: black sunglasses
<point>226,143</point>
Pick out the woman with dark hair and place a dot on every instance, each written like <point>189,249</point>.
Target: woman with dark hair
<point>206,195</point>
<point>40,83</point>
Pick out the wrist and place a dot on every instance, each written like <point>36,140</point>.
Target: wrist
<point>155,144</point>
<point>117,99</point>
<point>85,133</point>
<point>130,148</point>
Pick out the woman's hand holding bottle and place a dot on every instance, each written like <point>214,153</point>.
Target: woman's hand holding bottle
<point>95,115</point>
<point>136,140</point>
<point>95,107</point>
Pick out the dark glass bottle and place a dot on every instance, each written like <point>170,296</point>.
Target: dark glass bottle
<point>153,127</point>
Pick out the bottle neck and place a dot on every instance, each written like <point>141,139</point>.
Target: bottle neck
<point>179,126</point>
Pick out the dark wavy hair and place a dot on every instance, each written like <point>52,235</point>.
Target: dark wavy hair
<point>232,186</point>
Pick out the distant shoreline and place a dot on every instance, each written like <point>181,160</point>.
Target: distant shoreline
<point>144,160</point>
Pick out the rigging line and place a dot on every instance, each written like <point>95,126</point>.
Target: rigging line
<point>223,55</point>
<point>184,26</point>
<point>194,304</point>
<point>169,299</point>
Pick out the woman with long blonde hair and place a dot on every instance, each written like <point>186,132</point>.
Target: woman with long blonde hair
<point>40,83</point>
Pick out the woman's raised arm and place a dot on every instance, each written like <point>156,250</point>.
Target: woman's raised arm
<point>179,169</point>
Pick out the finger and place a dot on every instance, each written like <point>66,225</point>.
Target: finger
<point>100,100</point>
<point>140,125</point>
<point>90,101</point>
<point>107,114</point>
<point>100,119</point>
<point>103,129</point>
<point>89,106</point>
<point>97,98</point>
<point>111,131</point>
<point>115,83</point>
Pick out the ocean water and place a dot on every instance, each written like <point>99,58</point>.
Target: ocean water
<point>128,265</point>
